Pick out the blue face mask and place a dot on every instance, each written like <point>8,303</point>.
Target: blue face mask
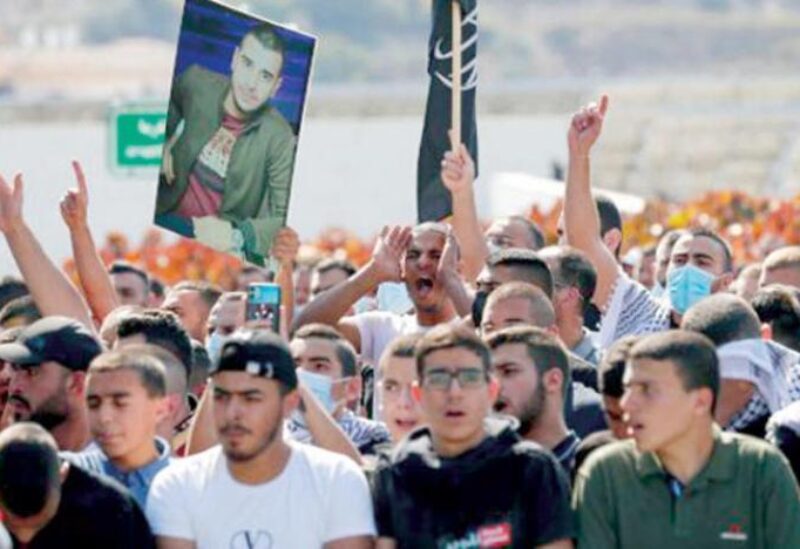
<point>687,285</point>
<point>320,386</point>
<point>214,344</point>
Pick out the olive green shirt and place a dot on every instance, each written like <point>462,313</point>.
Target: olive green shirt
<point>745,496</point>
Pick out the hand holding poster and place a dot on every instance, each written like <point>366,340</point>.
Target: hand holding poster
<point>235,111</point>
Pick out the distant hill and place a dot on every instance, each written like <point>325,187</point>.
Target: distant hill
<point>384,40</point>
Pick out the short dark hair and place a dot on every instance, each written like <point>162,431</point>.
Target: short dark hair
<point>331,264</point>
<point>716,237</point>
<point>612,366</point>
<point>11,288</point>
<point>444,337</point>
<point>201,364</point>
<point>693,355</point>
<point>574,269</point>
<point>544,349</point>
<point>540,305</point>
<point>610,218</point>
<point>123,267</point>
<point>23,306</point>
<point>531,268</point>
<point>151,372</point>
<point>156,287</point>
<point>723,318</point>
<point>402,346</point>
<point>209,293</point>
<point>160,328</point>
<point>779,306</point>
<point>534,232</point>
<point>265,34</point>
<point>29,468</point>
<point>344,350</point>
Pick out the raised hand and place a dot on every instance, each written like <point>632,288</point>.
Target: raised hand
<point>447,270</point>
<point>75,203</point>
<point>586,127</point>
<point>458,170</point>
<point>10,204</point>
<point>285,246</point>
<point>387,255</point>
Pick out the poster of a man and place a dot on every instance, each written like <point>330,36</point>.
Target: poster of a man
<point>234,115</point>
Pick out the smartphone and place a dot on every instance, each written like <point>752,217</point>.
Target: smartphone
<point>264,303</point>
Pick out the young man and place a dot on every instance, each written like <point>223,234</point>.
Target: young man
<point>759,377</point>
<point>782,267</point>
<point>328,367</point>
<point>125,392</point>
<point>226,316</point>
<point>191,302</point>
<point>48,503</point>
<point>400,254</point>
<point>701,261</point>
<point>229,171</point>
<point>574,279</point>
<point>328,273</point>
<point>48,361</point>
<point>256,489</point>
<point>518,303</point>
<point>700,487</point>
<point>397,374</point>
<point>131,284</point>
<point>532,369</point>
<point>465,479</point>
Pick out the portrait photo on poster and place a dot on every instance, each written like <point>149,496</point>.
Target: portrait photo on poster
<point>236,106</point>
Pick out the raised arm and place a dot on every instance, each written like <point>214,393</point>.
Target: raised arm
<point>330,306</point>
<point>50,288</point>
<point>449,275</point>
<point>95,279</point>
<point>581,220</point>
<point>458,175</point>
<point>284,250</point>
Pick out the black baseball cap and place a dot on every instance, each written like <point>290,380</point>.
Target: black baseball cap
<point>259,353</point>
<point>53,338</point>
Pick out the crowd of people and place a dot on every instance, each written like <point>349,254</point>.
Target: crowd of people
<point>526,392</point>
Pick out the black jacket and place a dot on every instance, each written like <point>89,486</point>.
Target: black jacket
<point>503,489</point>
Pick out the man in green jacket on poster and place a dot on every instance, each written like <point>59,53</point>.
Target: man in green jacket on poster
<point>227,165</point>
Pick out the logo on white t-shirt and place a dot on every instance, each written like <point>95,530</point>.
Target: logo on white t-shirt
<point>251,539</point>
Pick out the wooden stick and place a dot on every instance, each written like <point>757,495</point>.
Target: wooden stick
<point>455,109</point>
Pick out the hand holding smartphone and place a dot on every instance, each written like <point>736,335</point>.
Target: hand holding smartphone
<point>264,304</point>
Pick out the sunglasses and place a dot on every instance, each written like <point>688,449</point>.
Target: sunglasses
<point>441,379</point>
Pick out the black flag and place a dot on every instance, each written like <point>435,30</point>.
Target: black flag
<point>433,199</point>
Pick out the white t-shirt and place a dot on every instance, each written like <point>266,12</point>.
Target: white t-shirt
<point>319,497</point>
<point>378,329</point>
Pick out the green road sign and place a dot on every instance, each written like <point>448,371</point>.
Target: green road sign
<point>137,136</point>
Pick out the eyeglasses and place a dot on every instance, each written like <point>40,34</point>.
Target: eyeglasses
<point>440,379</point>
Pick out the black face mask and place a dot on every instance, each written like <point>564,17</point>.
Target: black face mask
<point>478,305</point>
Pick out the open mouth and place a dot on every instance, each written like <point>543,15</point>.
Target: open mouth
<point>406,424</point>
<point>500,406</point>
<point>424,286</point>
<point>454,414</point>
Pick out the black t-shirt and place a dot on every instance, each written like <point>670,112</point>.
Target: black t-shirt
<point>503,493</point>
<point>94,512</point>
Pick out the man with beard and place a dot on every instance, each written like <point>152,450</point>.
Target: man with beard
<point>256,489</point>
<point>49,361</point>
<point>400,254</point>
<point>532,369</point>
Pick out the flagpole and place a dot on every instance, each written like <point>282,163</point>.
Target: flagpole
<point>455,109</point>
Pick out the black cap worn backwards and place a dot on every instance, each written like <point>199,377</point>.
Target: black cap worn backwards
<point>259,353</point>
<point>53,339</point>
